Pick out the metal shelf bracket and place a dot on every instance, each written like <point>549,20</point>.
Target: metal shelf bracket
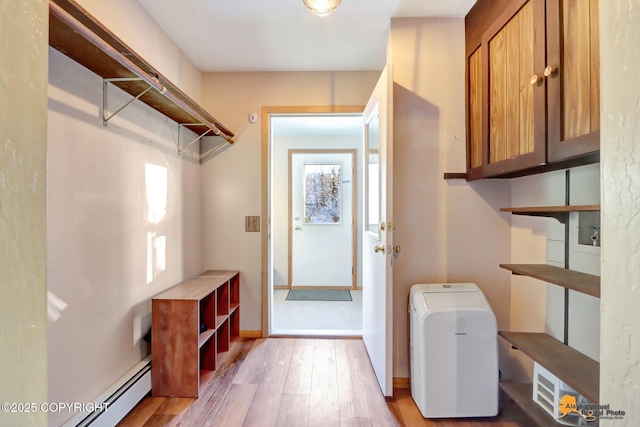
<point>181,148</point>
<point>105,97</point>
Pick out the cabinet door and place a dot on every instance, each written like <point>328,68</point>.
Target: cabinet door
<point>506,104</point>
<point>573,78</point>
<point>474,110</point>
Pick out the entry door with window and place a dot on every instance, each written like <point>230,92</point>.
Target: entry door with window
<point>379,248</point>
<point>321,219</point>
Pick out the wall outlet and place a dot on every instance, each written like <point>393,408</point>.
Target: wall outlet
<point>251,223</point>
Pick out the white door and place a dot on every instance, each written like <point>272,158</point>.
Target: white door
<point>378,250</point>
<point>321,219</point>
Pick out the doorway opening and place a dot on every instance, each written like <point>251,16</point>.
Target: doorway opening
<point>314,208</point>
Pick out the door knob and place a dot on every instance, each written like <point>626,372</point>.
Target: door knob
<point>297,227</point>
<point>535,79</point>
<point>378,248</point>
<point>550,71</point>
<point>396,248</point>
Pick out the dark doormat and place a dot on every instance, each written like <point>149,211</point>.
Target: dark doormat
<point>318,295</point>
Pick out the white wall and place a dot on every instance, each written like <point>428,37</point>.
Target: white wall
<point>231,181</point>
<point>449,231</point>
<point>23,126</point>
<point>280,202</point>
<point>100,198</point>
<point>101,270</point>
<point>620,98</point>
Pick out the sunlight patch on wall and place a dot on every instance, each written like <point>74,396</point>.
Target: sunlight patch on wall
<point>55,306</point>
<point>156,255</point>
<point>156,191</point>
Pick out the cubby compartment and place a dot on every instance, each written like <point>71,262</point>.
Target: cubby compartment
<point>207,313</point>
<point>192,329</point>
<point>234,292</point>
<point>207,361</point>
<point>234,323</point>
<point>208,355</point>
<point>223,339</point>
<point>222,296</point>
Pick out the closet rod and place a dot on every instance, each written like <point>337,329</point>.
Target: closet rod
<point>75,25</point>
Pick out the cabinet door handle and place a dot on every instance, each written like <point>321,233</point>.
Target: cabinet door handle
<point>535,79</point>
<point>549,71</point>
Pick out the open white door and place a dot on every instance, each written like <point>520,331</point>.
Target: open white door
<point>378,248</point>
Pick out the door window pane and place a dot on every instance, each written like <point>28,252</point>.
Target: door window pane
<point>322,193</point>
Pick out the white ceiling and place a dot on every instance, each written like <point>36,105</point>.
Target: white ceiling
<point>281,35</point>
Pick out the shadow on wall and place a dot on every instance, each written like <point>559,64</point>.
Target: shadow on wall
<point>416,134</point>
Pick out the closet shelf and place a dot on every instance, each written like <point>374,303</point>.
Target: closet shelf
<point>574,280</point>
<point>574,368</point>
<point>521,394</point>
<point>78,35</point>
<point>557,212</point>
<point>455,175</point>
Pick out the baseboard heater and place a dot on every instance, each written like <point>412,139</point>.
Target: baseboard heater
<point>118,399</point>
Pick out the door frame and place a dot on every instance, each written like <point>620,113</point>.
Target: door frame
<point>354,216</point>
<point>265,122</point>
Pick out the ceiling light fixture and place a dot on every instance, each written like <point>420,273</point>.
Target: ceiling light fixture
<point>321,7</point>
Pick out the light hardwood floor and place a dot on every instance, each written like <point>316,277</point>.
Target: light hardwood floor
<point>297,382</point>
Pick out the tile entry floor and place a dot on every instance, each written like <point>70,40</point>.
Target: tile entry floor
<point>316,318</point>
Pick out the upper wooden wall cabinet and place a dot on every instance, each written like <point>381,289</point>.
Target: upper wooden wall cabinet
<point>532,86</point>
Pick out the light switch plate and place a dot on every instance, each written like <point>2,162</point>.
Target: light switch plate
<point>251,223</point>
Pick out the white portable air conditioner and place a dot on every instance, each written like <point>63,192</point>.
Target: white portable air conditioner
<point>454,351</point>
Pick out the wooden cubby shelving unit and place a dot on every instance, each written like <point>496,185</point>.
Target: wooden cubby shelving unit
<point>81,37</point>
<point>569,365</point>
<point>194,325</point>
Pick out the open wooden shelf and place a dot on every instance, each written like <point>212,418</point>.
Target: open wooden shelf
<point>205,336</point>
<point>574,280</point>
<point>455,175</point>
<point>574,368</point>
<point>184,358</point>
<point>521,394</point>
<point>77,34</point>
<point>557,212</point>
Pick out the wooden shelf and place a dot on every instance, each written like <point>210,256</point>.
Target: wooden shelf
<point>574,368</point>
<point>574,280</point>
<point>220,320</point>
<point>558,212</point>
<point>77,34</point>
<point>455,175</point>
<point>521,395</point>
<point>185,359</point>
<point>205,336</point>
